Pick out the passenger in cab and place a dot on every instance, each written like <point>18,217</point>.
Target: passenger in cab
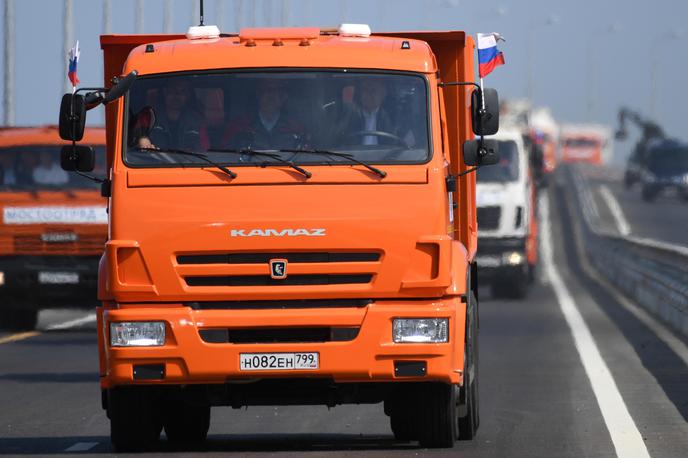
<point>48,171</point>
<point>270,127</point>
<point>366,121</point>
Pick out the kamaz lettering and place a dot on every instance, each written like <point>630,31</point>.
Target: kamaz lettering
<point>277,233</point>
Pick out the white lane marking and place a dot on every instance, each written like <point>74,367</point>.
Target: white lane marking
<point>91,318</point>
<point>621,223</point>
<point>624,434</point>
<point>656,326</point>
<point>81,447</point>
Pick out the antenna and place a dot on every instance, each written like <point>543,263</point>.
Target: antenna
<point>201,13</point>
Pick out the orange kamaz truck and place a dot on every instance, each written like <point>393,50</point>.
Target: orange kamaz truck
<point>53,226</point>
<point>292,221</point>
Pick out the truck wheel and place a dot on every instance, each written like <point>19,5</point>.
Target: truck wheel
<point>15,319</point>
<point>135,422</point>
<point>468,399</point>
<point>404,427</point>
<point>186,423</point>
<point>437,415</point>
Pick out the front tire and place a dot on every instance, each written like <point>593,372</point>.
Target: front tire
<point>18,319</point>
<point>135,422</point>
<point>438,415</point>
<point>187,424</point>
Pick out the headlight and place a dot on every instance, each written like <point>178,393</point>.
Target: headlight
<point>513,258</point>
<point>420,330</point>
<point>137,334</point>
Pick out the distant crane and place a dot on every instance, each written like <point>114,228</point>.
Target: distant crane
<point>650,132</point>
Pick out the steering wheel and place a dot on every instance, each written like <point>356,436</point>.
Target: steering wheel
<point>378,133</point>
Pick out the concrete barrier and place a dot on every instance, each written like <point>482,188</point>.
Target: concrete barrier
<point>653,273</point>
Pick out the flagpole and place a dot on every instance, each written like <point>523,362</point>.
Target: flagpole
<point>482,95</point>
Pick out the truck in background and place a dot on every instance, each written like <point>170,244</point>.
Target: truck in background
<point>588,143</point>
<point>336,267</point>
<point>507,223</point>
<point>53,226</point>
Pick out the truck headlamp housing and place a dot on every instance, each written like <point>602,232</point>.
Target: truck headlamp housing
<point>137,334</point>
<point>420,330</point>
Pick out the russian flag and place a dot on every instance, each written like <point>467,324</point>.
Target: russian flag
<point>73,61</point>
<point>489,57</point>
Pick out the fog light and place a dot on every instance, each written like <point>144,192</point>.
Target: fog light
<point>514,258</point>
<point>420,330</point>
<point>137,334</point>
<point>2,278</point>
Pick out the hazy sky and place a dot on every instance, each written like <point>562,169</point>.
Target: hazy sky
<point>605,48</point>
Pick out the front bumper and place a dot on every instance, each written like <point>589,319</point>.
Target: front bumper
<point>370,357</point>
<point>52,280</point>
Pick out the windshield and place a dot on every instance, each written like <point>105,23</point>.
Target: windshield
<point>669,162</point>
<point>37,167</point>
<point>507,167</point>
<point>377,118</point>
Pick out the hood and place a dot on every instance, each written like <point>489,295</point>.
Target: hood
<point>217,243</point>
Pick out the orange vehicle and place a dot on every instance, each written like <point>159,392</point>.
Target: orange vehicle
<point>288,225</point>
<point>53,226</point>
<point>582,146</point>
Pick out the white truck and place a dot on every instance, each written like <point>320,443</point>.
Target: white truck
<point>507,225</point>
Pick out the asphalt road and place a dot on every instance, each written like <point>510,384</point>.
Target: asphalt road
<point>665,219</point>
<point>537,399</point>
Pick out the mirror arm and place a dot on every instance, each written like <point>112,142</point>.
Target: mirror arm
<point>90,177</point>
<point>467,171</point>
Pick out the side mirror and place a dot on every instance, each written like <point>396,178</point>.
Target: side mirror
<point>120,88</point>
<point>77,158</point>
<point>485,122</point>
<point>72,117</point>
<point>474,154</point>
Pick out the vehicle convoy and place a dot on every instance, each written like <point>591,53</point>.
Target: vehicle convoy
<point>53,226</point>
<point>507,236</point>
<point>664,170</point>
<point>292,221</point>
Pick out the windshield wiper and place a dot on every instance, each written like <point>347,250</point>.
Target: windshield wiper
<point>348,156</point>
<point>201,156</point>
<point>265,153</point>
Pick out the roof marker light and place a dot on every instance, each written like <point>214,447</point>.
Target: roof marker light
<point>202,31</point>
<point>355,30</point>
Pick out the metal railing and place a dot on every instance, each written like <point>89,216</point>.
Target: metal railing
<point>653,273</point>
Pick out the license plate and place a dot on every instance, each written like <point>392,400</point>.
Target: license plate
<point>278,361</point>
<point>58,278</point>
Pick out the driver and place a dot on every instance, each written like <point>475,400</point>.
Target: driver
<point>367,114</point>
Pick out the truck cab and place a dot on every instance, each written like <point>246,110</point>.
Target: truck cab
<point>507,226</point>
<point>53,226</point>
<point>292,221</point>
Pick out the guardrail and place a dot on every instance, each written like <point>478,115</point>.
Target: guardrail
<point>653,273</point>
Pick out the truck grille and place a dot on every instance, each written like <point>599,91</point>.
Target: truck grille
<point>264,258</point>
<point>281,304</point>
<point>488,217</point>
<point>34,244</point>
<point>279,335</point>
<point>266,280</point>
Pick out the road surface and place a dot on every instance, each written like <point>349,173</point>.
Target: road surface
<point>537,397</point>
